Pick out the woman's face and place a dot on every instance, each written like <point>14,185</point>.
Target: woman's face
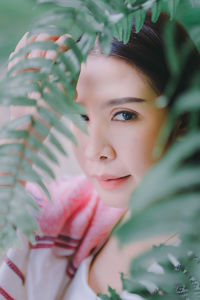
<point>123,123</point>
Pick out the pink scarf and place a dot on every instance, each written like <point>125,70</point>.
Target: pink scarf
<point>75,225</point>
<point>77,221</point>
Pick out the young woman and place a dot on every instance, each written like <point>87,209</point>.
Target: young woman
<point>119,92</point>
<point>123,119</point>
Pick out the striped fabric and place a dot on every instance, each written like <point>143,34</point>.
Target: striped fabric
<point>74,225</point>
<point>5,294</point>
<point>14,268</point>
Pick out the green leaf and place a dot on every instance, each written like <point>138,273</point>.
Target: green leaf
<point>18,101</point>
<point>173,5</point>
<point>18,122</point>
<point>64,79</point>
<point>13,134</point>
<point>7,180</point>
<point>156,9</point>
<point>47,45</point>
<point>48,116</point>
<point>62,76</point>
<point>11,148</point>
<point>42,64</point>
<point>86,43</point>
<point>35,142</point>
<point>64,105</point>
<point>103,297</point>
<point>24,222</point>
<point>7,236</point>
<point>55,15</point>
<point>40,128</point>
<point>172,216</point>
<point>84,22</point>
<point>8,168</point>
<point>183,105</point>
<point>174,181</point>
<point>57,144</point>
<point>34,158</point>
<point>122,29</point>
<point>58,106</point>
<point>53,120</point>
<point>171,51</point>
<point>69,3</point>
<point>21,90</point>
<point>79,122</point>
<point>5,193</point>
<point>31,175</point>
<point>71,62</point>
<point>12,169</point>
<point>21,218</point>
<point>24,77</point>
<point>9,160</point>
<point>99,10</point>
<point>71,44</point>
<point>139,19</point>
<point>105,40</point>
<point>182,150</point>
<point>29,201</point>
<point>4,207</point>
<point>51,30</point>
<point>113,295</point>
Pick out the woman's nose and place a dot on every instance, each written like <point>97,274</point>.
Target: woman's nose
<point>99,146</point>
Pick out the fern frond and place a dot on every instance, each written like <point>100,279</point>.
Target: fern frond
<point>168,197</point>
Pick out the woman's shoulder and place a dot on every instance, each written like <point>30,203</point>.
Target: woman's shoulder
<point>79,287</point>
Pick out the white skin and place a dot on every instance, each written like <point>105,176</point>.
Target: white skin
<point>122,136</point>
<point>120,142</point>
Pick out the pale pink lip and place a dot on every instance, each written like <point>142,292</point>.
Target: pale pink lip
<point>111,184</point>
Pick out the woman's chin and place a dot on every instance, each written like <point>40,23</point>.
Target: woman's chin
<point>115,199</point>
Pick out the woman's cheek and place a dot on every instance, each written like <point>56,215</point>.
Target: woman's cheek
<point>136,149</point>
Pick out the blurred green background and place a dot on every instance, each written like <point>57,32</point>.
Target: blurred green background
<point>16,17</point>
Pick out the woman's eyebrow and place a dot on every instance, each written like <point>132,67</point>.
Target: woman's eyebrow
<point>123,100</point>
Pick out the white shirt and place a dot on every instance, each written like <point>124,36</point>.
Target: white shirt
<point>80,290</point>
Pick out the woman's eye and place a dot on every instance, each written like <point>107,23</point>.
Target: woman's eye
<point>125,116</point>
<point>85,117</point>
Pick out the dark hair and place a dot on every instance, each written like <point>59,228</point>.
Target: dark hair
<point>146,51</point>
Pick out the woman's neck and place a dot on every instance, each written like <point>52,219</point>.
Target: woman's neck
<point>107,265</point>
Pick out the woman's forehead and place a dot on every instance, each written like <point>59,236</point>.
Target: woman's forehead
<point>110,77</point>
<point>101,66</point>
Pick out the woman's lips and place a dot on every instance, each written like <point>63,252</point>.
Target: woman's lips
<point>111,184</point>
